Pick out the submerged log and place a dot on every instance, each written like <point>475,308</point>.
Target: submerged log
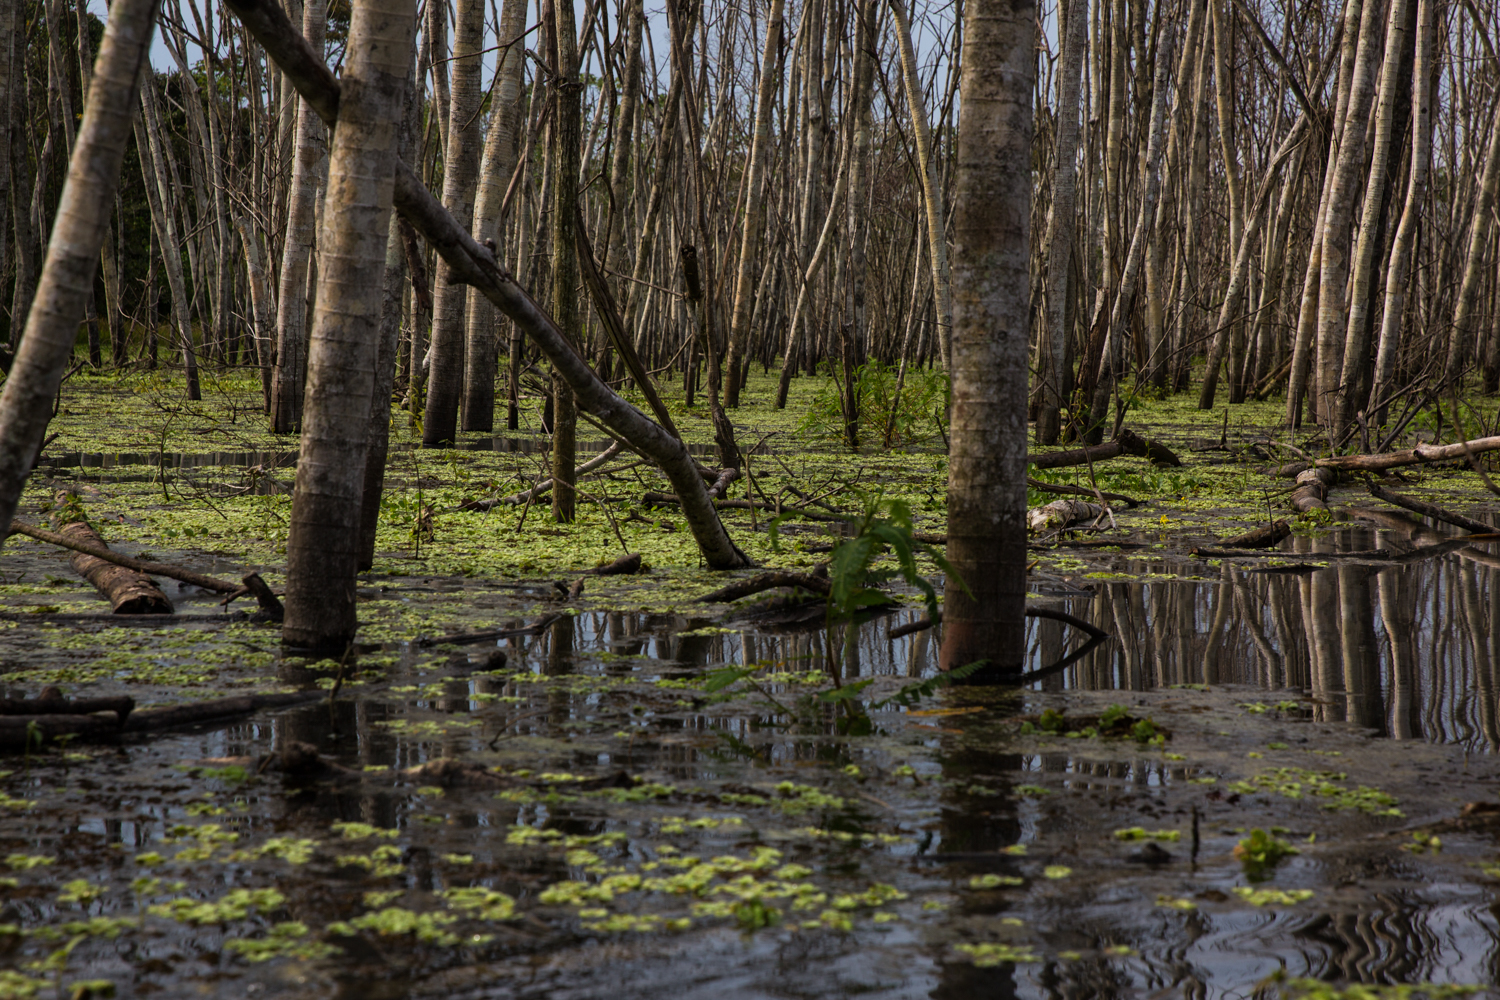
<point>1431,510</point>
<point>627,565</point>
<point>102,551</point>
<point>129,591</point>
<point>1093,631</point>
<point>767,581</point>
<point>52,703</point>
<point>27,732</point>
<point>1062,514</point>
<point>1312,489</point>
<point>1127,442</point>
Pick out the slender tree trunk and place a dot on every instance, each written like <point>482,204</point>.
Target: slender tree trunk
<point>166,231</point>
<point>495,172</point>
<point>1353,385</point>
<point>1063,222</point>
<point>445,377</point>
<point>984,606</point>
<point>73,252</point>
<point>755,204</point>
<point>1462,343</point>
<point>1422,77</point>
<point>566,286</point>
<point>310,164</point>
<point>261,310</point>
<point>323,541</point>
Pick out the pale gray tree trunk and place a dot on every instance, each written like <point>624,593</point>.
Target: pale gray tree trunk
<point>1403,246</point>
<point>166,229</point>
<point>78,230</point>
<point>323,540</point>
<point>262,310</point>
<point>1462,340</point>
<point>1063,222</point>
<point>984,607</point>
<point>445,376</point>
<point>308,170</point>
<point>755,203</point>
<point>495,172</point>
<point>1352,391</point>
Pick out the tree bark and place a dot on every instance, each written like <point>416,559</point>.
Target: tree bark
<point>323,541</point>
<point>261,309</point>
<point>567,90</point>
<point>73,253</point>
<point>445,376</point>
<point>985,607</point>
<point>128,592</point>
<point>166,229</point>
<point>308,172</point>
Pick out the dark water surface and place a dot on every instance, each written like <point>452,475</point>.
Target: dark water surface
<point>1310,700</point>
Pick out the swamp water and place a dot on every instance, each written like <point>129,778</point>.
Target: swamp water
<point>662,822</point>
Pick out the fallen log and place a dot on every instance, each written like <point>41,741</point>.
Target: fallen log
<point>1079,491</point>
<point>721,484</point>
<point>1062,514</point>
<point>102,551</point>
<point>1127,442</point>
<point>147,719</point>
<point>1431,510</point>
<point>1388,556</point>
<point>1261,538</point>
<point>129,591</point>
<point>1312,489</point>
<point>768,581</point>
<point>25,733</point>
<point>50,703</point>
<point>1419,455</point>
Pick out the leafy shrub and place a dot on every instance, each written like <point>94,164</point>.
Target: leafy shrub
<point>875,387</point>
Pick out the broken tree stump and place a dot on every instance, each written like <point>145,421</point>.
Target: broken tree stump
<point>129,592</point>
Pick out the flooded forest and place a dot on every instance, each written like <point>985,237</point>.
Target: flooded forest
<point>774,499</point>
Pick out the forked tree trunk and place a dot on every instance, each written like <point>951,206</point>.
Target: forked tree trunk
<point>445,377</point>
<point>73,252</point>
<point>323,541</point>
<point>984,607</point>
<point>308,169</point>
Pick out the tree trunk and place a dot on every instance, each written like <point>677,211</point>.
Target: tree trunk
<point>308,170</point>
<point>261,310</point>
<point>73,253</point>
<point>495,172</point>
<point>1462,341</point>
<point>1063,222</point>
<point>323,540</point>
<point>166,230</point>
<point>565,279</point>
<point>985,605</point>
<point>445,376</point>
<point>755,204</point>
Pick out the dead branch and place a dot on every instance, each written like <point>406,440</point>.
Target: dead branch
<point>1431,510</point>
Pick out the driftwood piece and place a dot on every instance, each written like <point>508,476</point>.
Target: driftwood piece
<point>270,605</point>
<point>1261,538</point>
<point>1061,514</point>
<point>1079,491</point>
<point>129,591</point>
<point>1312,489</point>
<point>53,704</point>
<point>767,581</point>
<point>1431,510</point>
<point>626,565</point>
<point>102,551</point>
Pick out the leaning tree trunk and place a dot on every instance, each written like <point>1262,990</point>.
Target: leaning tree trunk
<point>445,377</point>
<point>565,278</point>
<point>755,204</point>
<point>323,539</point>
<point>296,256</point>
<point>1064,220</point>
<point>166,231</point>
<point>67,278</point>
<point>495,170</point>
<point>984,602</point>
